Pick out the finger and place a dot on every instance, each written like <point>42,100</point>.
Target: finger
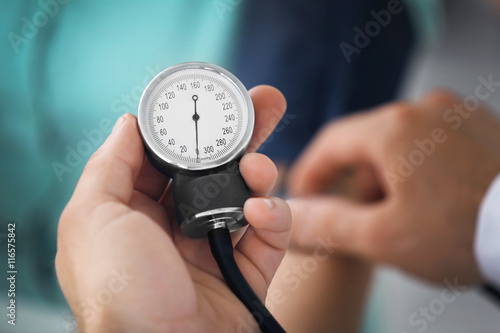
<point>346,143</point>
<point>440,99</point>
<point>112,171</point>
<point>263,246</point>
<point>259,173</point>
<point>334,223</point>
<point>151,181</point>
<point>269,105</point>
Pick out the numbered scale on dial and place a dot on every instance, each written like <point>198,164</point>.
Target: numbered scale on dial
<point>195,119</point>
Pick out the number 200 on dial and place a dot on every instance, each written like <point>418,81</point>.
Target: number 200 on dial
<point>196,116</point>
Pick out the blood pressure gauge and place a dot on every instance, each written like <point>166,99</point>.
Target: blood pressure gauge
<point>196,120</point>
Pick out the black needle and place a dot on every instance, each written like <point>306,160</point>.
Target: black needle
<point>196,117</point>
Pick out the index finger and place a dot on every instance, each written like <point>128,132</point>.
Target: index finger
<point>345,143</point>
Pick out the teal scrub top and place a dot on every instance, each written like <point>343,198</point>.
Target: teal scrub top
<point>68,70</point>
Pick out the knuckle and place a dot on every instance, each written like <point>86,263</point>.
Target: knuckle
<point>399,122</point>
<point>440,96</point>
<point>326,131</point>
<point>402,114</point>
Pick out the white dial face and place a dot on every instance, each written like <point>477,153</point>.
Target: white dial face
<point>197,117</point>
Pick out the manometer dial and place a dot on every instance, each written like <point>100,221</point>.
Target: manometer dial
<point>196,116</point>
<point>196,120</point>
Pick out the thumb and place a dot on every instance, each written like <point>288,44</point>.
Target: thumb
<point>113,169</point>
<point>336,222</point>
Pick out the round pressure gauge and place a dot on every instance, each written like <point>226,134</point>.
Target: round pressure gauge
<point>196,120</point>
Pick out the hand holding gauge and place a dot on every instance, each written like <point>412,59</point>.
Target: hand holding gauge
<point>208,190</point>
<point>118,224</point>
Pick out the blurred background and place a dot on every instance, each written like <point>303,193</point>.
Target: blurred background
<point>70,68</point>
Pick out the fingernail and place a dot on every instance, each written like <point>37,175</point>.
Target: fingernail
<point>270,203</point>
<point>119,122</point>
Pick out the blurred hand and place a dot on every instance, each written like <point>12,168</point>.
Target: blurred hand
<point>124,266</point>
<point>423,170</point>
<point>496,5</point>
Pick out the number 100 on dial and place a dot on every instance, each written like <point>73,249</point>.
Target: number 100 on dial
<point>196,115</point>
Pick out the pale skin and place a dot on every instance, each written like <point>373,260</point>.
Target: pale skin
<point>496,5</point>
<point>321,293</point>
<point>424,226</point>
<point>315,290</point>
<point>319,289</point>
<point>423,223</point>
<point>119,219</point>
<point>99,230</point>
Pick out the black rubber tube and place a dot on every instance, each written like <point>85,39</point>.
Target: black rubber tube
<point>492,293</point>
<point>222,250</point>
